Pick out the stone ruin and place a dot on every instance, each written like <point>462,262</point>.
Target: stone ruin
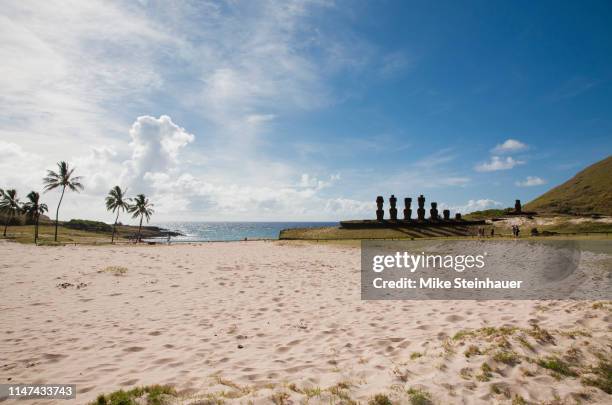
<point>421,210</point>
<point>433,212</point>
<point>518,210</point>
<point>407,210</point>
<point>407,220</point>
<point>393,210</point>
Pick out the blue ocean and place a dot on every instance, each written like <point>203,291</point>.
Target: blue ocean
<point>228,231</point>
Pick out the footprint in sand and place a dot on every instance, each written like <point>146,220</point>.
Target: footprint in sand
<point>133,349</point>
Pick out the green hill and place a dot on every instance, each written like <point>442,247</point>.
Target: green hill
<point>588,192</point>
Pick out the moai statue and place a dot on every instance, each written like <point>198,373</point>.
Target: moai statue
<point>407,210</point>
<point>458,217</point>
<point>393,210</point>
<point>446,214</point>
<point>380,213</point>
<point>517,206</point>
<point>421,209</point>
<point>434,211</point>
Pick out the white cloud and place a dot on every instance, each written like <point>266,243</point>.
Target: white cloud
<point>509,146</point>
<point>156,143</point>
<point>260,118</point>
<point>20,169</point>
<point>307,181</point>
<point>531,181</point>
<point>498,163</point>
<point>74,75</point>
<point>347,208</point>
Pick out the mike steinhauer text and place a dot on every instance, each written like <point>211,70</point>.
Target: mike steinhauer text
<point>459,263</point>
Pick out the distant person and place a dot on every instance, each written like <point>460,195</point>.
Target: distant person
<point>492,232</point>
<point>169,236</point>
<point>518,231</point>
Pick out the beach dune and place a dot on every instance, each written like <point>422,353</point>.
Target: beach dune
<point>273,321</point>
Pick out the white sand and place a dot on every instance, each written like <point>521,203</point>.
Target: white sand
<point>180,313</point>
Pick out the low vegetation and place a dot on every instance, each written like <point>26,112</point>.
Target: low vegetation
<point>557,365</point>
<point>587,193</point>
<point>151,395</point>
<point>600,376</point>
<point>419,397</point>
<point>380,399</point>
<point>86,225</point>
<point>115,270</point>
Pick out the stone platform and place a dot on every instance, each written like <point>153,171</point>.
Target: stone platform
<point>402,223</point>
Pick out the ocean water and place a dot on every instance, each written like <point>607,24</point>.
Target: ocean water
<point>228,231</point>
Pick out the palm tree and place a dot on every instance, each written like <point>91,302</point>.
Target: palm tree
<point>34,209</point>
<point>10,206</point>
<point>62,178</point>
<point>141,208</point>
<point>116,201</point>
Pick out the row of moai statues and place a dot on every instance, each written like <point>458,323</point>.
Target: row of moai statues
<point>433,212</point>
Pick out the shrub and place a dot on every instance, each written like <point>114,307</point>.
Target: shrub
<point>86,225</point>
<point>380,399</point>
<point>419,397</point>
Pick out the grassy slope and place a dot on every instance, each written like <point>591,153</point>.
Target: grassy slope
<point>25,234</point>
<point>588,192</point>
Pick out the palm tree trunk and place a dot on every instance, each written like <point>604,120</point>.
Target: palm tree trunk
<point>139,228</point>
<point>114,226</point>
<point>8,219</point>
<point>57,211</point>
<point>36,229</point>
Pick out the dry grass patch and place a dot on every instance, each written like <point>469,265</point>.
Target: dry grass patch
<point>115,270</point>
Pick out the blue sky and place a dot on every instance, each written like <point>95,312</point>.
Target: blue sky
<point>306,110</point>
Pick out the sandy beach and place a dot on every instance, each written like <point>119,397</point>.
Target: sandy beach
<point>263,322</point>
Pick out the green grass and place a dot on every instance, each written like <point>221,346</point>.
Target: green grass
<point>415,355</point>
<point>419,397</point>
<point>380,399</point>
<point>557,365</point>
<point>602,377</point>
<point>338,233</point>
<point>485,374</point>
<point>115,270</point>
<point>67,235</point>
<point>507,357</point>
<point>25,234</point>
<point>487,214</point>
<point>587,192</point>
<point>152,395</point>
<point>541,335</point>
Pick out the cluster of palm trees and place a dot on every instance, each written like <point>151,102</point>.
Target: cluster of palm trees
<point>12,207</point>
<point>138,206</point>
<point>64,179</point>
